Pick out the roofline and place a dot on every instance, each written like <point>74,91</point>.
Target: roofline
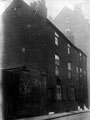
<point>62,11</point>
<point>11,4</point>
<point>48,21</point>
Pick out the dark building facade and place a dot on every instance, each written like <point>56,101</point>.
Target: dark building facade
<point>51,73</point>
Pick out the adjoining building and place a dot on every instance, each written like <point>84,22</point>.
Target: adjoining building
<point>76,28</point>
<point>41,67</point>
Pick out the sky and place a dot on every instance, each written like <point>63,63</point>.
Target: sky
<point>55,6</point>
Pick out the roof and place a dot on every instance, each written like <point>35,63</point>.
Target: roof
<point>16,3</point>
<point>19,3</point>
<point>50,23</point>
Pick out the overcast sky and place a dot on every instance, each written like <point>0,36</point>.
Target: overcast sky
<point>54,6</point>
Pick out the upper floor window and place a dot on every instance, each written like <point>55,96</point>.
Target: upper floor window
<point>56,41</point>
<point>56,38</point>
<point>58,92</point>
<point>80,70</point>
<point>67,31</point>
<point>14,12</point>
<point>57,63</point>
<point>69,70</point>
<point>69,48</point>
<point>69,74</point>
<point>77,70</point>
<point>80,75</point>
<point>56,59</point>
<point>84,72</point>
<point>56,34</point>
<point>84,58</point>
<point>67,19</point>
<point>80,54</point>
<point>15,9</point>
<point>69,66</point>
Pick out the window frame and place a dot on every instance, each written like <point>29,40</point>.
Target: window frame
<point>57,64</point>
<point>58,92</point>
<point>69,49</point>
<point>56,41</point>
<point>56,34</point>
<point>69,70</point>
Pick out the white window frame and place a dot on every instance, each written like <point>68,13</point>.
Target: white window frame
<point>56,70</point>
<point>69,66</point>
<point>56,41</point>
<point>69,70</point>
<point>81,70</point>
<point>80,54</point>
<point>57,60</point>
<point>69,48</point>
<point>57,63</point>
<point>56,34</point>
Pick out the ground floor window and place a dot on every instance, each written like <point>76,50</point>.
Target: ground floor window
<point>71,93</point>
<point>58,92</point>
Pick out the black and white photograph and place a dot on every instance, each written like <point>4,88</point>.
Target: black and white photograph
<point>44,59</point>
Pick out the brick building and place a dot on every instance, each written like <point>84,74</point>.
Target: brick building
<point>54,63</point>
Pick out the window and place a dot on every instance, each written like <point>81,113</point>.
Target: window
<point>84,72</point>
<point>72,93</point>
<point>77,71</point>
<point>80,70</point>
<point>15,9</point>
<point>56,38</point>
<point>69,74</point>
<point>56,70</point>
<point>57,64</point>
<point>56,59</point>
<point>77,77</point>
<point>69,48</point>
<point>67,19</point>
<point>58,92</point>
<point>69,70</point>
<point>28,26</point>
<point>84,58</point>
<point>80,54</point>
<point>76,93</point>
<point>67,30</point>
<point>14,12</point>
<point>80,75</point>
<point>56,41</point>
<point>64,92</point>
<point>56,34</point>
<point>69,66</point>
